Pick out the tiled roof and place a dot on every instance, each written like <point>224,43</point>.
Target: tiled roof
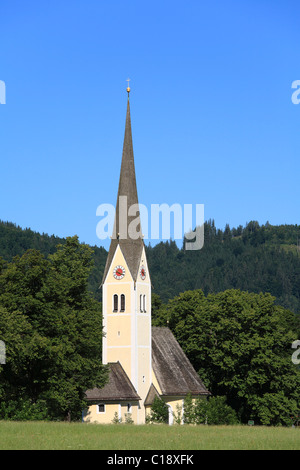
<point>173,370</point>
<point>119,387</point>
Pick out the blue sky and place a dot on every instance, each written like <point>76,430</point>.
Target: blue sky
<point>212,116</point>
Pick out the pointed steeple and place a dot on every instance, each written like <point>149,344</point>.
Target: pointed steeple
<point>127,228</point>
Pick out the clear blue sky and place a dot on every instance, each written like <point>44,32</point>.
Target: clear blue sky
<point>212,116</point>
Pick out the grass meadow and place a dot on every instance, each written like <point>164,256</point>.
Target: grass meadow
<point>79,436</point>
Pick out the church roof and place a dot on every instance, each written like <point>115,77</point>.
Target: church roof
<point>131,248</point>
<point>119,387</point>
<point>173,370</point>
<point>152,393</point>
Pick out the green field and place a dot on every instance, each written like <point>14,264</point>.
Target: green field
<point>78,436</point>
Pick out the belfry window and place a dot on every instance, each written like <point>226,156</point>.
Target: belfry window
<point>122,303</point>
<point>115,303</point>
<point>141,303</point>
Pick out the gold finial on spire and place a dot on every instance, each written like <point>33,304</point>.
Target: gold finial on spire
<point>128,88</point>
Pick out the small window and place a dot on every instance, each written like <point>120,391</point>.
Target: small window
<point>144,303</point>
<point>122,303</point>
<point>101,408</point>
<point>128,407</point>
<point>115,303</point>
<point>141,303</point>
<point>143,379</point>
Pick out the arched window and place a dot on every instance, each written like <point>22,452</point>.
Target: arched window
<point>122,303</point>
<point>115,303</point>
<point>144,303</point>
<point>141,303</point>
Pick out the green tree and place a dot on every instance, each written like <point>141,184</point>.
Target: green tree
<point>240,343</point>
<point>60,353</point>
<point>76,325</point>
<point>219,412</point>
<point>159,412</point>
<point>213,411</point>
<point>188,410</point>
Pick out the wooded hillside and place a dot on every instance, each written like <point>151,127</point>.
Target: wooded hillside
<point>255,258</point>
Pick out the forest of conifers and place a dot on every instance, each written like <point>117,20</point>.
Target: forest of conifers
<point>255,258</point>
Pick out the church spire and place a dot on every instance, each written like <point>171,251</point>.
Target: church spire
<point>128,87</point>
<point>127,226</point>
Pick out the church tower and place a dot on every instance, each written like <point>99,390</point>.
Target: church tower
<point>126,285</point>
<point>143,362</point>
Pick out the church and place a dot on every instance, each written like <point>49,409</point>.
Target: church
<point>143,361</point>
